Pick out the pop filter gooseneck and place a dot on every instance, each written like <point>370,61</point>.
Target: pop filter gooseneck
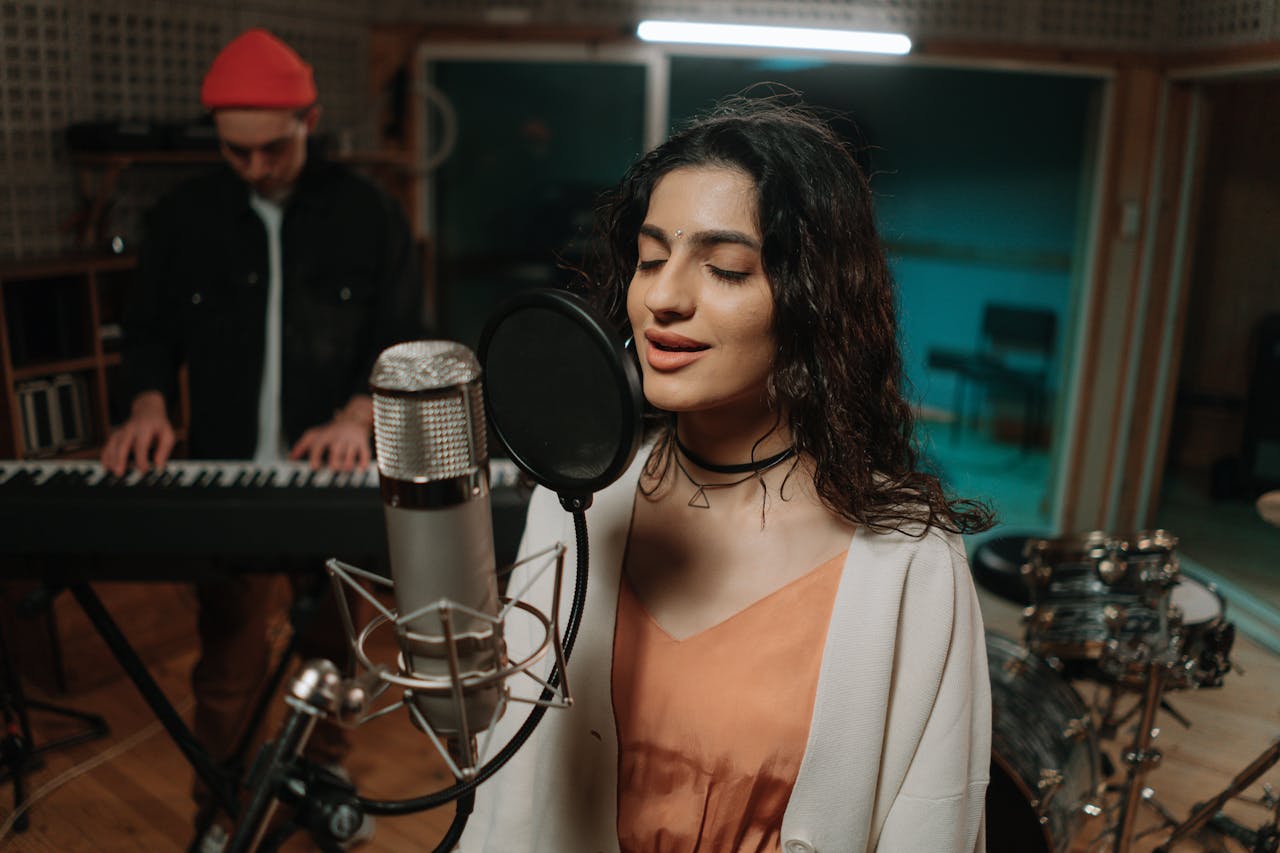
<point>562,393</point>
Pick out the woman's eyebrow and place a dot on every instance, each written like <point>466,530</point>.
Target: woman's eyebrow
<point>708,238</point>
<point>703,238</point>
<point>656,233</point>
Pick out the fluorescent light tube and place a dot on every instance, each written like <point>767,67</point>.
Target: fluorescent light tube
<point>744,35</point>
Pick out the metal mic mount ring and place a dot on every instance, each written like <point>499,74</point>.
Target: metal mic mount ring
<point>444,685</point>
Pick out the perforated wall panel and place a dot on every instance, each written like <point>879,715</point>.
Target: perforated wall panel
<point>1220,23</point>
<point>68,61</point>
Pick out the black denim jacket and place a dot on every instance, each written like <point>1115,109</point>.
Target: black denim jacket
<point>351,288</point>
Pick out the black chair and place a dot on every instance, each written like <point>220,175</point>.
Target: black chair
<point>1014,355</point>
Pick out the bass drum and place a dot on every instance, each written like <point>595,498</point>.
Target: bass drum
<point>1044,754</point>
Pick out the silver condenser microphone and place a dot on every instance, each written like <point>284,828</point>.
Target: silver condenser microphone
<point>433,464</point>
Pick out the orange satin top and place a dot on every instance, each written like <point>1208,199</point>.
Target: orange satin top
<point>712,728</point>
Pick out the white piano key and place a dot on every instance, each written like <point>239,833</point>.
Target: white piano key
<point>43,472</point>
<point>230,472</point>
<point>323,478</point>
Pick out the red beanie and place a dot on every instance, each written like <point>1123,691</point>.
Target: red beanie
<point>258,71</point>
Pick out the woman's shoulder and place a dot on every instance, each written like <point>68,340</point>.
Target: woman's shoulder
<point>918,542</point>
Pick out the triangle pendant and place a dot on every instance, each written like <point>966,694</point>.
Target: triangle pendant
<point>699,499</point>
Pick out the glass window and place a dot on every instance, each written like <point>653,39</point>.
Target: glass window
<point>536,144</point>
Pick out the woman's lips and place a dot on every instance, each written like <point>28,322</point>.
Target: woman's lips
<point>668,351</point>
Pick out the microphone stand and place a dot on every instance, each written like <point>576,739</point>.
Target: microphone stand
<point>334,812</point>
<point>325,805</point>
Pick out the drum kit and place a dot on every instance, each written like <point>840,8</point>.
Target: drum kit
<point>1118,613</point>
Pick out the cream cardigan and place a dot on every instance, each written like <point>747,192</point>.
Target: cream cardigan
<point>899,744</point>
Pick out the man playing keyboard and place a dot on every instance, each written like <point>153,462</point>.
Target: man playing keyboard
<point>276,280</point>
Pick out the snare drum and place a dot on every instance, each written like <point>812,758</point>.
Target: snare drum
<point>1044,754</point>
<point>1201,634</point>
<point>1100,598</point>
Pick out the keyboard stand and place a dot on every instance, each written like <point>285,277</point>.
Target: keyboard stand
<point>219,782</point>
<point>223,781</point>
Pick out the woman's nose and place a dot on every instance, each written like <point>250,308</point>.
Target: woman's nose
<point>672,293</point>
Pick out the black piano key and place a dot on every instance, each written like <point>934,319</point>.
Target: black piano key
<point>59,478</point>
<point>268,479</point>
<point>23,477</point>
<point>215,479</point>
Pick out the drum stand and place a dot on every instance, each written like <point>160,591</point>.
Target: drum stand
<point>1264,840</point>
<point>1141,756</point>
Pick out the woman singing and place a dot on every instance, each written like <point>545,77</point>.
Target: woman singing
<point>781,647</point>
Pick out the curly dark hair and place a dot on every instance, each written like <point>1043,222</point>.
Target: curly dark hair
<point>838,369</point>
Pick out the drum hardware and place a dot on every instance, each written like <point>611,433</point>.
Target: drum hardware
<point>1077,729</point>
<point>1116,611</point>
<point>1141,757</point>
<point>1266,839</point>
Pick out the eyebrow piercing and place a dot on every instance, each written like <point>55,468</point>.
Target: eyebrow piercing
<point>679,232</point>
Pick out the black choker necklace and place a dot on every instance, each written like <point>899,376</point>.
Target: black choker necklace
<point>742,468</point>
<point>753,470</point>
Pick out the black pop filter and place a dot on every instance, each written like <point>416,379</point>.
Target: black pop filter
<point>562,393</point>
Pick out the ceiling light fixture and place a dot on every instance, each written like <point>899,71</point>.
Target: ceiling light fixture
<point>745,35</point>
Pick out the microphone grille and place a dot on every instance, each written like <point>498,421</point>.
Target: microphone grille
<point>428,412</point>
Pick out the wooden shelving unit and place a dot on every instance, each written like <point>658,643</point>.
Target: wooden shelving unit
<point>58,318</point>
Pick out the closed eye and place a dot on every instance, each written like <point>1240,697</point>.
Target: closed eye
<point>646,266</point>
<point>728,275</point>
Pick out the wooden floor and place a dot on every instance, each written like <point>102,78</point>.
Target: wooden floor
<point>139,799</point>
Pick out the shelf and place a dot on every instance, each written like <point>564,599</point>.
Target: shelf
<point>95,450</point>
<point>82,453</point>
<point>62,298</point>
<point>125,159</point>
<point>67,265</point>
<point>69,365</point>
<point>99,172</point>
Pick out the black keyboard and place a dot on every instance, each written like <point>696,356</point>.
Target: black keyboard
<point>211,509</point>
